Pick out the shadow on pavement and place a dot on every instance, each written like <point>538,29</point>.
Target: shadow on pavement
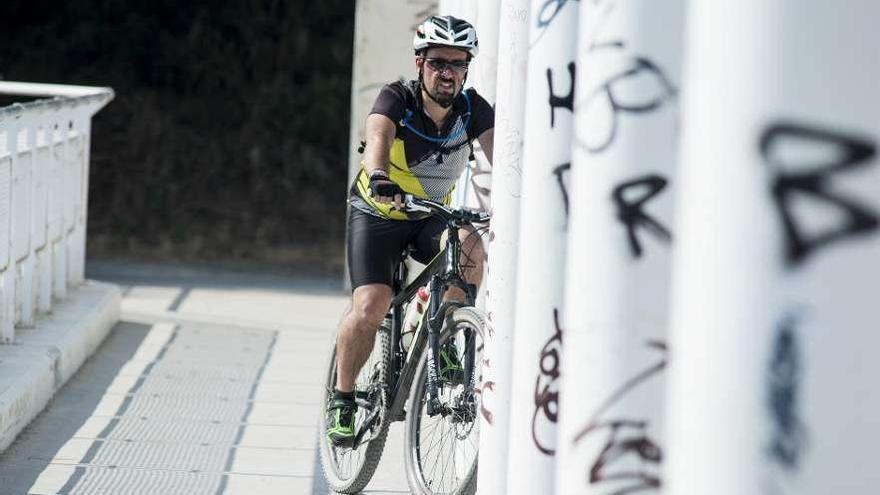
<point>23,462</point>
<point>126,273</point>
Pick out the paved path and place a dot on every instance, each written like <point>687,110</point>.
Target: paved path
<point>209,385</point>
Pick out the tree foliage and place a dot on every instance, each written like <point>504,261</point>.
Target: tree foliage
<point>228,135</point>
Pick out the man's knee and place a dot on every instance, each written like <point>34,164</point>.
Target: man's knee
<point>473,254</point>
<point>370,304</point>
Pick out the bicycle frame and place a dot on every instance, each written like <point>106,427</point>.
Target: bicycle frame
<point>443,272</point>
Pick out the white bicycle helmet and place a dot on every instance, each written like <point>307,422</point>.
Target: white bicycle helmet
<point>445,30</point>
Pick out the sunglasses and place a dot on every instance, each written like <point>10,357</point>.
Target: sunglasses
<point>440,64</point>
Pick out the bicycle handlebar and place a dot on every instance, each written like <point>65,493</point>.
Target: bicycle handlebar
<point>412,203</point>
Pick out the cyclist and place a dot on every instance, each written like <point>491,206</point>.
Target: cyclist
<point>419,138</point>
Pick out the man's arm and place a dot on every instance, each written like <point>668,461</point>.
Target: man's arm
<point>487,142</point>
<point>379,134</point>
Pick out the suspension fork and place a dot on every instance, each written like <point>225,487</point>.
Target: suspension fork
<point>470,342</point>
<point>435,324</point>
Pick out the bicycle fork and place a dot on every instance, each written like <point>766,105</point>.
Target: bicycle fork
<point>435,324</point>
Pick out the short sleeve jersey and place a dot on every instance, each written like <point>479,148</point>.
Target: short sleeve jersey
<point>425,168</point>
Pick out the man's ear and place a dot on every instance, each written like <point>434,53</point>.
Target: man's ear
<point>420,61</point>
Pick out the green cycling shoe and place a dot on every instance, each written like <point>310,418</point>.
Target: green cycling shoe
<point>340,422</point>
<point>451,370</point>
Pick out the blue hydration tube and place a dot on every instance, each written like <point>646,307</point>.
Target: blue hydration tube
<point>405,122</point>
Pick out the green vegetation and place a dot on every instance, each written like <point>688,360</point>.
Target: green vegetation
<point>227,140</point>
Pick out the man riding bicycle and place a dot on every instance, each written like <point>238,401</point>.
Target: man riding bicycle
<point>419,138</point>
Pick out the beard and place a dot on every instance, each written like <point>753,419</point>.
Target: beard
<point>441,96</point>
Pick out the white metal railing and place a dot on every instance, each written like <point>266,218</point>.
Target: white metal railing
<point>44,171</point>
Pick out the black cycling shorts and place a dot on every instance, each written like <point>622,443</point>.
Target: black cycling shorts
<point>375,245</point>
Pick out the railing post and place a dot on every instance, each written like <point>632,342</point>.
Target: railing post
<point>56,208</point>
<point>81,194</point>
<point>21,211</point>
<point>43,188</point>
<point>26,293</point>
<point>7,267</point>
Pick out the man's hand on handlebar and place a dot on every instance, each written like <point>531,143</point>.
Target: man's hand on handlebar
<point>384,190</point>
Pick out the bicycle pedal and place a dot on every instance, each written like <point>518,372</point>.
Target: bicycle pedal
<point>452,377</point>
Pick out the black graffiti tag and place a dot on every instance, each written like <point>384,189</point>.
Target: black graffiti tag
<point>788,181</point>
<point>566,101</point>
<point>625,437</point>
<point>630,211</point>
<point>783,384</point>
<point>547,386</point>
<point>560,172</point>
<point>608,96</point>
<point>546,15</point>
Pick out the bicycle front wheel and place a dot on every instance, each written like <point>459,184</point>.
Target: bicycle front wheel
<point>348,470</point>
<point>441,450</point>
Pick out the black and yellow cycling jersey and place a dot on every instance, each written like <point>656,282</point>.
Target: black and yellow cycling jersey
<point>424,161</point>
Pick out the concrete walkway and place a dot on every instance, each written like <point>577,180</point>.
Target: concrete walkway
<point>209,385</point>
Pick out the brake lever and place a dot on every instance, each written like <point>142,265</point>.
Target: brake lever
<point>412,206</point>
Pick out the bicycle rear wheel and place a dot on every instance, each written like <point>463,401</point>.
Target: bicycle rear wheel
<point>441,451</point>
<point>348,470</point>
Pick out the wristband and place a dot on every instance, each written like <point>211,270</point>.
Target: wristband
<point>378,173</point>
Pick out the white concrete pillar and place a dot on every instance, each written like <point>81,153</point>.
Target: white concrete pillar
<point>464,194</point>
<point>382,53</point>
<point>774,328</point>
<point>538,338</point>
<point>477,183</point>
<point>619,247</point>
<point>502,244</point>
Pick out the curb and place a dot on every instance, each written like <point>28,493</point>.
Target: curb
<point>43,358</point>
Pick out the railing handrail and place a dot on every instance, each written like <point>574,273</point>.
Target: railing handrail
<point>58,97</point>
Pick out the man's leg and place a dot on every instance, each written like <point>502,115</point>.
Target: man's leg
<point>354,342</point>
<point>472,257</point>
<point>357,332</point>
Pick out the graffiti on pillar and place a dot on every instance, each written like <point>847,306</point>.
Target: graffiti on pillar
<point>784,376</point>
<point>547,390</point>
<point>547,13</point>
<point>566,101</point>
<point>560,172</point>
<point>630,210</point>
<point>625,439</point>
<point>516,15</point>
<point>511,161</point>
<point>795,176</point>
<point>487,386</point>
<point>610,98</point>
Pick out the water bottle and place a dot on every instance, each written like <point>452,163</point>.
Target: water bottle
<point>413,316</point>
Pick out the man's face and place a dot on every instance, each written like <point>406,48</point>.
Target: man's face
<point>443,73</point>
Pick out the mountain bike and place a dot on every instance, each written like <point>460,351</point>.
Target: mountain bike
<point>433,386</point>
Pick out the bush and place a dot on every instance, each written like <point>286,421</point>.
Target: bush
<point>228,135</point>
